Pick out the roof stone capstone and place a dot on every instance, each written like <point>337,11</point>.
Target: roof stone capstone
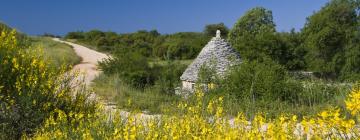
<point>217,50</point>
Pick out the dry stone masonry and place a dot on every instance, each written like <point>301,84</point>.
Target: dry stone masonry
<point>216,51</point>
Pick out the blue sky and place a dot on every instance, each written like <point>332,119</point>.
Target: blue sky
<point>167,16</point>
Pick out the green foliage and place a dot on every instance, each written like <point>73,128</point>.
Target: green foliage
<point>207,77</point>
<point>135,70</point>
<point>141,41</point>
<point>4,28</point>
<point>266,86</point>
<point>294,51</point>
<point>50,35</point>
<point>57,53</point>
<point>254,36</point>
<point>167,76</point>
<point>261,81</point>
<point>131,66</point>
<point>210,30</point>
<point>75,35</point>
<point>185,45</point>
<point>351,69</point>
<point>22,39</point>
<point>30,91</point>
<point>328,37</point>
<point>123,80</point>
<point>328,44</point>
<point>193,122</point>
<point>151,99</point>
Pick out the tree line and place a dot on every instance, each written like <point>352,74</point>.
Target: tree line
<point>328,44</point>
<point>184,45</point>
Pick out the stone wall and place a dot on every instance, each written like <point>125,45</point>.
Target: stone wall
<point>188,86</point>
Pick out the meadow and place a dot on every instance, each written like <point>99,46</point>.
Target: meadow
<point>56,53</point>
<point>261,98</point>
<point>147,65</point>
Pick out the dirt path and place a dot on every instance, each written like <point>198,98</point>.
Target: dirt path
<point>88,65</point>
<point>89,71</point>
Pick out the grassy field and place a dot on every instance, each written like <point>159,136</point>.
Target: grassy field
<point>111,88</point>
<point>318,95</point>
<point>55,52</point>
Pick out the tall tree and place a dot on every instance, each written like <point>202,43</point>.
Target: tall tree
<point>351,69</point>
<point>294,52</point>
<point>254,35</point>
<point>328,35</point>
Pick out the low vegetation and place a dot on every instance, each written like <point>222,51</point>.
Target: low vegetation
<point>132,77</point>
<point>55,53</point>
<point>263,81</point>
<point>197,123</point>
<point>258,99</point>
<point>151,44</point>
<point>31,91</point>
<point>267,87</point>
<point>149,100</point>
<point>328,44</point>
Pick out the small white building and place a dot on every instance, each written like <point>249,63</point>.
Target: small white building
<point>217,49</point>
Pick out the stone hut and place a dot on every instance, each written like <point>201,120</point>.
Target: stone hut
<point>218,51</point>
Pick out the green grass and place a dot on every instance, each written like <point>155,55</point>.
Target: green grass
<point>112,89</point>
<point>56,53</point>
<point>316,97</point>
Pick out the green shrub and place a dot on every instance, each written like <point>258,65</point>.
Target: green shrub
<point>130,66</point>
<point>134,69</point>
<point>266,86</point>
<point>259,80</point>
<point>150,99</point>
<point>167,76</point>
<point>210,30</point>
<point>75,35</point>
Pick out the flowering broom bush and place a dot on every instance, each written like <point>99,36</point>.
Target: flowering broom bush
<point>30,91</point>
<point>196,123</point>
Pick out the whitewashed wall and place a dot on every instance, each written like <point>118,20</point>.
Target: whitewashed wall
<point>188,86</point>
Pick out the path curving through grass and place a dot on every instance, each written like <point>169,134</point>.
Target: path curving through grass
<point>90,59</point>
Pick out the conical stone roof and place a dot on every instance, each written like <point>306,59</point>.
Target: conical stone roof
<point>218,51</point>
